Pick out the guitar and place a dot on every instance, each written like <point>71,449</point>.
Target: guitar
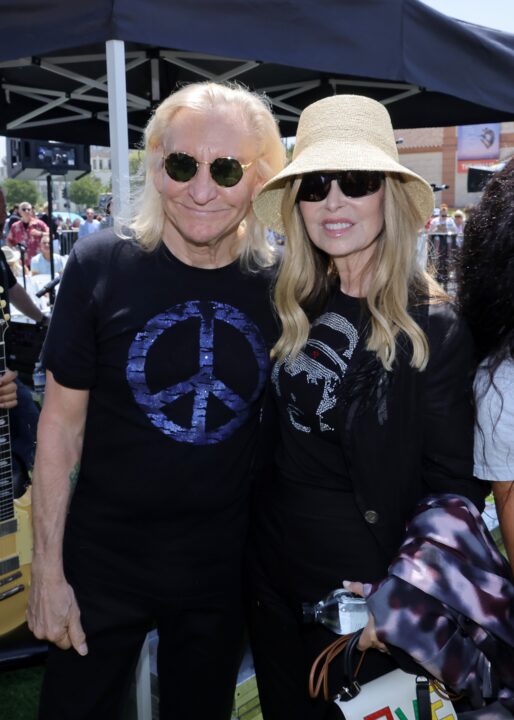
<point>15,523</point>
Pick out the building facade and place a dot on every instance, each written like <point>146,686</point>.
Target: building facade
<point>433,153</point>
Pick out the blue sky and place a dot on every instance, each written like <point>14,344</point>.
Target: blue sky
<point>498,14</point>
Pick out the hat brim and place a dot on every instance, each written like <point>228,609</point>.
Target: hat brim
<point>333,156</point>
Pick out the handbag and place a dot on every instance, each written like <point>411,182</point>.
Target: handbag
<point>397,695</point>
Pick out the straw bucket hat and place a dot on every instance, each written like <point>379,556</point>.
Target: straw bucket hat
<point>10,254</point>
<point>342,132</point>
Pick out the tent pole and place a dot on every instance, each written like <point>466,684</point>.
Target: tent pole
<point>118,126</point>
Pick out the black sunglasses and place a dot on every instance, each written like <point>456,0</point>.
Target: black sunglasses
<point>225,171</point>
<point>315,186</point>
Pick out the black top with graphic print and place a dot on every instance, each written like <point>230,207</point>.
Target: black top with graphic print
<point>307,392</point>
<point>175,359</point>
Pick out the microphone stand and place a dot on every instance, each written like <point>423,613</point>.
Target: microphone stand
<point>22,249</point>
<point>51,294</point>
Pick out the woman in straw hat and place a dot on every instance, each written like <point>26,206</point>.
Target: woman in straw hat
<point>372,388</point>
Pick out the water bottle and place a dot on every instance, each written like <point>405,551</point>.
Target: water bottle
<point>341,611</point>
<point>38,382</point>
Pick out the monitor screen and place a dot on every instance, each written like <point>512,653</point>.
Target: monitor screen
<point>56,156</point>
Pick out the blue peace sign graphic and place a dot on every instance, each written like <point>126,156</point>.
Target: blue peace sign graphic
<point>204,382</point>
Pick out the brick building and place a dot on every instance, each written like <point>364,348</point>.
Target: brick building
<point>432,152</point>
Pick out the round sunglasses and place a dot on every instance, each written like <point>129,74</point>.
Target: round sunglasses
<point>315,186</point>
<point>225,171</point>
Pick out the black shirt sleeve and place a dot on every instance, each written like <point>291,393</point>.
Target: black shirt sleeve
<point>448,451</point>
<point>8,279</point>
<point>69,351</point>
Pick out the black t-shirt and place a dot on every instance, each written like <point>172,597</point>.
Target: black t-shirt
<point>7,279</point>
<point>311,535</point>
<point>307,392</point>
<point>175,359</point>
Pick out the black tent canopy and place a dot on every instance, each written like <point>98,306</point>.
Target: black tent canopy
<point>426,67</point>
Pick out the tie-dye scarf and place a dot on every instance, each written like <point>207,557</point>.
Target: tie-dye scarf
<point>448,601</point>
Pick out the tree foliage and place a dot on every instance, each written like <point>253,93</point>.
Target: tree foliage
<point>85,192</point>
<point>136,159</point>
<point>17,191</point>
<point>136,169</point>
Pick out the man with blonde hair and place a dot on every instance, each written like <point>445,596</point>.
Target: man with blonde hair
<point>147,436</point>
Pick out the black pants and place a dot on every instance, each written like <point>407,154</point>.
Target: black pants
<point>200,647</point>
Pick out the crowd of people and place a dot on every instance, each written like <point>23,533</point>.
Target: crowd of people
<point>227,435</point>
<point>35,222</point>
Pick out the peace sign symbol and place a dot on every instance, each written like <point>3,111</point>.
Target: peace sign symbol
<point>203,384</point>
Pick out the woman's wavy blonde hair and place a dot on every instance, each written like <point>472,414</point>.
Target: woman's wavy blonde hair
<point>307,275</point>
<point>252,111</point>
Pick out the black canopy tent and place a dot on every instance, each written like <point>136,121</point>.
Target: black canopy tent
<point>55,83</point>
<point>428,68</point>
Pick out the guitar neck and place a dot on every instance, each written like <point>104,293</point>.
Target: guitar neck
<point>6,472</point>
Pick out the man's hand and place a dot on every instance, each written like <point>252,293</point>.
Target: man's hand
<point>53,613</point>
<point>8,390</point>
<point>368,638</point>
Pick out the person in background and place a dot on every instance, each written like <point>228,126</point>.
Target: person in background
<point>43,215</point>
<point>108,220</point>
<point>14,216</point>
<point>3,212</point>
<point>40,263</point>
<point>486,297</point>
<point>443,223</point>
<point>27,232</point>
<point>163,338</point>
<point>443,245</point>
<point>24,417</point>
<point>372,387</point>
<point>90,224</point>
<point>460,223</point>
<point>8,380</point>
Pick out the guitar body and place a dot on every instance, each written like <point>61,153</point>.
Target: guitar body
<point>15,521</point>
<point>15,565</point>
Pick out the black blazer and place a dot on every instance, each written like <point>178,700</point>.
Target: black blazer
<point>408,433</point>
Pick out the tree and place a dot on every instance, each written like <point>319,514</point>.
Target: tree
<point>85,192</point>
<point>17,191</point>
<point>136,169</point>
<point>136,158</point>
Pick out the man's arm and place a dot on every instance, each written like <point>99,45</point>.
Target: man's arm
<point>53,613</point>
<point>24,303</point>
<point>504,499</point>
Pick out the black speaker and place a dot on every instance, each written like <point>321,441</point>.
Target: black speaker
<point>30,159</point>
<point>477,178</point>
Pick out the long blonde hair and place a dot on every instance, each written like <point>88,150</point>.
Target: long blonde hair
<point>206,97</point>
<point>307,275</point>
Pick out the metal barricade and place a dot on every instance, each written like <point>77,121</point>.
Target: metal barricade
<point>67,239</point>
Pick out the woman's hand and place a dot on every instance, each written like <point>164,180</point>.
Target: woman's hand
<point>368,638</point>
